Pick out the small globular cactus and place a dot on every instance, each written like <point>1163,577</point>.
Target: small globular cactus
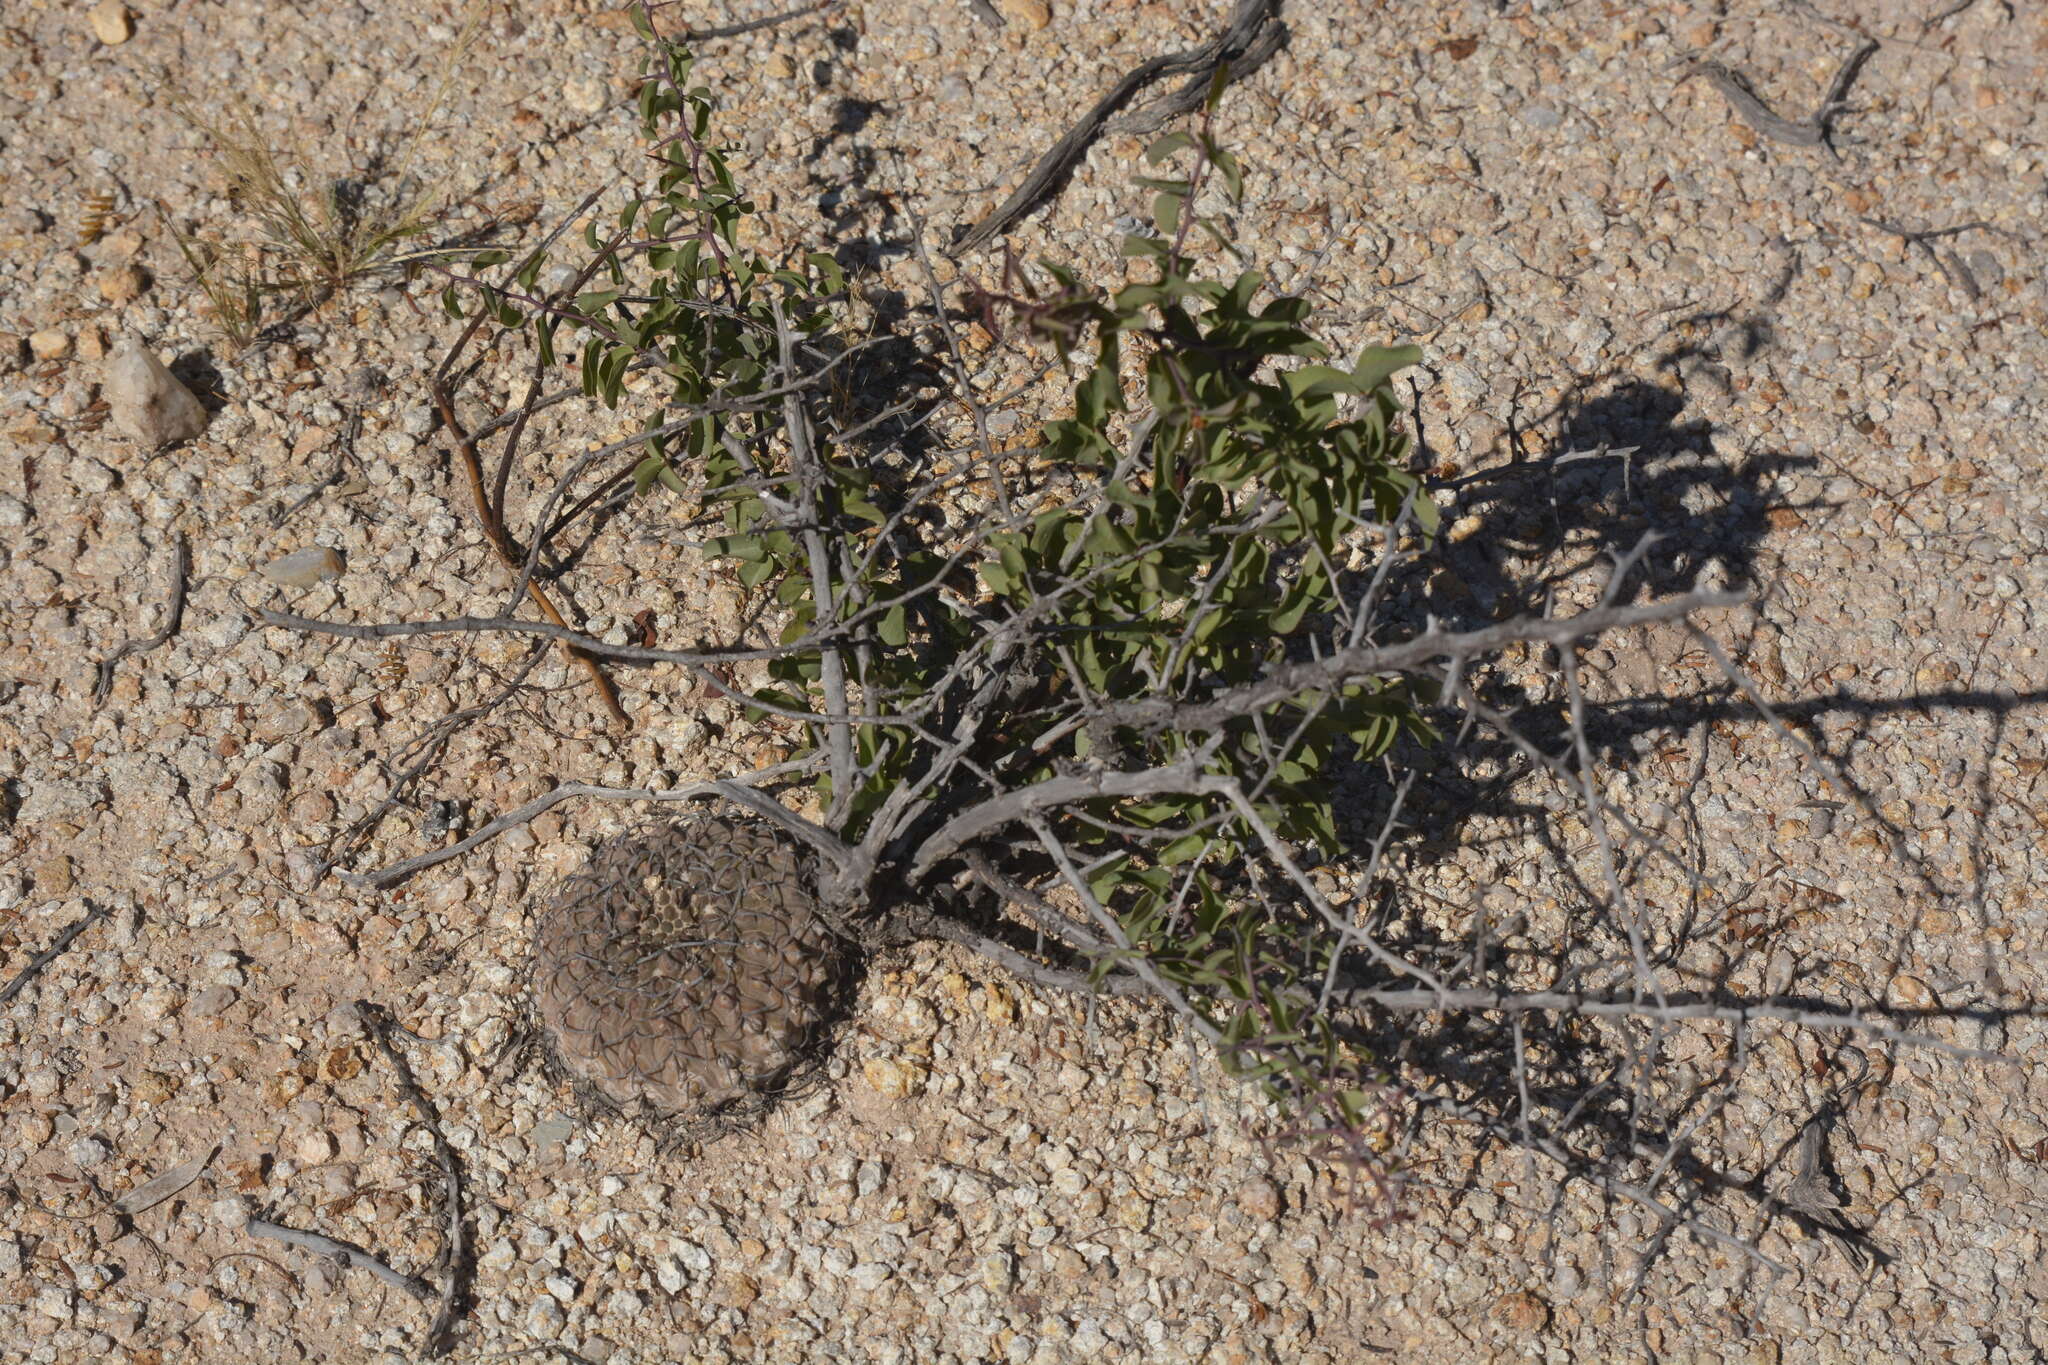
<point>685,972</point>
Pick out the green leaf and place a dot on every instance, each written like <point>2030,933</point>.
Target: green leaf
<point>646,472</point>
<point>829,269</point>
<point>894,627</point>
<point>1217,83</point>
<point>1166,146</point>
<point>1381,363</point>
<point>1166,212</point>
<point>774,696</point>
<point>858,506</point>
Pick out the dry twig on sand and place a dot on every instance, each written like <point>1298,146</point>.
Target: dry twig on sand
<point>455,1259</point>
<point>93,915</point>
<point>174,616</point>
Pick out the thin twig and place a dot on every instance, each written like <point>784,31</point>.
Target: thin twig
<point>508,553</point>
<point>174,616</point>
<point>1814,131</point>
<point>1237,37</point>
<point>698,35</point>
<point>93,914</point>
<point>345,1251</point>
<point>1195,91</point>
<point>334,476</point>
<point>1949,262</point>
<point>455,1261</point>
<point>1574,1166</point>
<point>1349,665</point>
<point>1676,1005</point>
<point>736,789</point>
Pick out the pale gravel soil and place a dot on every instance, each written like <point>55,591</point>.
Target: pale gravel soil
<point>1586,253</point>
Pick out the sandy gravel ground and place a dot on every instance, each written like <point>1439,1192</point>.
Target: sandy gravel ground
<point>1848,420</point>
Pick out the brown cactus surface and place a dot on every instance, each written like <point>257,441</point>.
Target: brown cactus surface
<point>684,971</point>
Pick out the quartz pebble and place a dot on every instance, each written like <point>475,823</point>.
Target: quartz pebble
<point>305,568</point>
<point>111,22</point>
<point>1030,14</point>
<point>122,284</point>
<point>148,401</point>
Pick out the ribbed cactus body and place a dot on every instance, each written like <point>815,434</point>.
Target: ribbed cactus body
<point>685,971</point>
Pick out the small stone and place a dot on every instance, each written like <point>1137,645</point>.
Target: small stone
<point>88,1152</point>
<point>777,66</point>
<point>586,95</point>
<point>232,1213</point>
<point>1912,992</point>
<point>305,568</point>
<point>154,1087</point>
<point>49,344</point>
<point>312,809</point>
<point>545,1320</point>
<point>1031,14</point>
<point>212,1001</point>
<point>54,877</point>
<point>1260,1199</point>
<point>286,719</point>
<point>893,1078</point>
<point>147,400</point>
<point>999,1272</point>
<point>1521,1312</point>
<point>111,22</point>
<point>122,284</point>
<point>316,1148</point>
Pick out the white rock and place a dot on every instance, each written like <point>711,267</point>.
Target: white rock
<point>89,1151</point>
<point>111,23</point>
<point>545,1319</point>
<point>13,511</point>
<point>147,400</point>
<point>305,568</point>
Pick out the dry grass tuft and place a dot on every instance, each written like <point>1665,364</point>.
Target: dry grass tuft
<point>304,236</point>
